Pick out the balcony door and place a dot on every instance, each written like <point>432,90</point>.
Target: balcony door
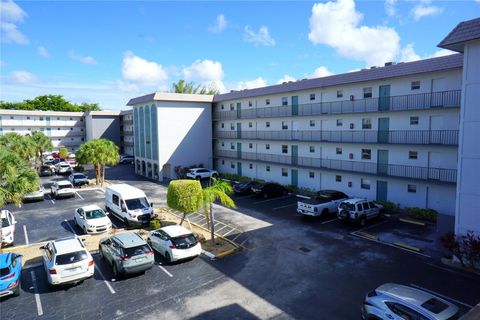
<point>239,130</point>
<point>382,162</point>
<point>439,86</point>
<point>239,150</point>
<point>382,190</point>
<point>239,168</point>
<point>239,110</point>
<point>294,177</point>
<point>383,130</point>
<point>294,155</point>
<point>294,105</point>
<point>384,98</point>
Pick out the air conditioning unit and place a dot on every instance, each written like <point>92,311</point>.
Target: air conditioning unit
<point>352,97</point>
<point>350,155</point>
<point>349,184</point>
<point>351,126</point>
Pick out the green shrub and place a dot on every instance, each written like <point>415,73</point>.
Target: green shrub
<point>234,177</point>
<point>292,188</point>
<point>390,207</point>
<point>422,214</point>
<point>184,195</point>
<point>306,192</point>
<point>155,224</point>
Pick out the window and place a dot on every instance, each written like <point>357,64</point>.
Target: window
<point>366,154</point>
<point>339,93</point>
<point>312,123</point>
<point>365,184</point>
<point>338,178</point>
<point>58,118</point>
<point>58,128</point>
<point>267,146</point>
<point>312,96</point>
<point>412,188</point>
<point>71,139</point>
<point>250,103</point>
<point>284,172</point>
<point>83,139</point>
<point>231,107</point>
<point>284,125</point>
<point>223,162</point>
<point>339,122</point>
<point>267,101</point>
<point>41,118</point>
<point>413,155</point>
<point>115,199</point>
<point>267,124</point>
<point>71,119</point>
<point>367,92</point>
<point>232,146</point>
<point>71,129</point>
<point>284,101</point>
<point>267,168</point>
<point>311,174</point>
<point>250,124</point>
<point>232,165</point>
<point>11,118</point>
<point>284,148</point>
<point>338,150</point>
<point>28,118</point>
<point>414,121</point>
<point>250,165</point>
<point>312,149</point>
<point>366,123</point>
<point>222,107</point>
<point>29,129</point>
<point>223,125</point>
<point>232,126</point>
<point>223,144</point>
<point>404,312</point>
<point>415,85</point>
<point>250,145</point>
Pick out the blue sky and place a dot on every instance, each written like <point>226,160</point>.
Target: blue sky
<point>108,52</point>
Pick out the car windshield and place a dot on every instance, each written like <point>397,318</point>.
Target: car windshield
<point>135,251</point>
<point>139,203</point>
<point>64,186</point>
<point>71,257</point>
<point>185,241</point>
<point>5,223</point>
<point>4,272</point>
<point>347,206</point>
<point>434,305</point>
<point>79,176</point>
<point>94,214</point>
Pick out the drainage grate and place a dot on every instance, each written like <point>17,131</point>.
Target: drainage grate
<point>304,249</point>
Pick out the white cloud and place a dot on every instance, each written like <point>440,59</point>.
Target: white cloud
<point>321,72</point>
<point>443,52</point>
<point>220,24</point>
<point>22,77</point>
<point>262,37</point>
<point>408,54</point>
<point>139,71</point>
<point>10,33</point>
<point>249,84</point>
<point>203,71</point>
<point>10,14</point>
<point>43,52</point>
<point>285,78</point>
<point>10,11</point>
<point>390,8</point>
<point>82,59</point>
<point>424,9</point>
<point>126,86</point>
<point>337,24</point>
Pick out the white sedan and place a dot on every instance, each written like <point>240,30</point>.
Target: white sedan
<point>201,173</point>
<point>7,229</point>
<point>62,188</point>
<point>174,243</point>
<point>92,219</point>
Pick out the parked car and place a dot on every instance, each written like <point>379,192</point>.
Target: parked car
<point>63,168</point>
<point>324,203</point>
<point>71,160</point>
<point>201,173</point>
<point>269,190</point>
<point>174,243</point>
<point>124,159</point>
<point>127,253</point>
<point>243,187</point>
<point>7,227</point>
<point>78,179</point>
<point>359,210</point>
<point>67,261</point>
<point>35,195</point>
<point>392,301</point>
<point>92,219</point>
<point>10,271</point>
<point>128,203</point>
<point>61,189</point>
<point>46,170</point>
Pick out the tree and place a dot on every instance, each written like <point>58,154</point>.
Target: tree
<point>50,102</point>
<point>41,144</point>
<point>190,87</point>
<point>23,146</point>
<point>90,107</point>
<point>218,190</point>
<point>63,152</point>
<point>184,196</point>
<point>17,178</point>
<point>100,153</point>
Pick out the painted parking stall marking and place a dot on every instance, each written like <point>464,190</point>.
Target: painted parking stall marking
<point>329,221</point>
<point>165,270</point>
<point>79,195</point>
<point>69,226</point>
<point>26,235</point>
<point>285,206</point>
<point>37,295</point>
<point>110,288</point>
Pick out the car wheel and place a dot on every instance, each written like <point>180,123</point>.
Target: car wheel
<point>125,220</point>
<point>363,221</point>
<point>115,271</point>
<point>100,253</point>
<point>16,293</point>
<point>75,222</point>
<point>168,258</point>
<point>325,213</point>
<point>85,230</point>
<point>198,178</point>
<point>214,175</point>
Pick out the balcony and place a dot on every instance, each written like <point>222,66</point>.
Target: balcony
<point>371,168</point>
<point>127,143</point>
<point>419,137</point>
<point>433,100</point>
<point>127,122</point>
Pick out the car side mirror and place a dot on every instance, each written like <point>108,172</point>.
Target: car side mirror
<point>123,209</point>
<point>42,248</point>
<point>151,204</point>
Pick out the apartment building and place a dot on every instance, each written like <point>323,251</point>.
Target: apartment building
<point>126,132</point>
<point>386,133</point>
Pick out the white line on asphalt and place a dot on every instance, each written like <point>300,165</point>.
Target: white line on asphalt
<point>373,225</point>
<point>26,235</point>
<point>441,296</point>
<point>286,206</point>
<point>69,226</point>
<point>328,221</point>
<point>165,270</point>
<point>37,296</point>
<point>280,198</point>
<point>104,280</point>
<point>79,195</point>
<point>53,201</point>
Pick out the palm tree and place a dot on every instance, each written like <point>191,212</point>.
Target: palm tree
<point>190,87</point>
<point>99,152</point>
<point>41,143</point>
<point>218,190</point>
<point>21,145</point>
<point>17,178</point>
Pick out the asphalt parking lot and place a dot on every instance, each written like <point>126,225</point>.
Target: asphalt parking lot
<point>295,269</point>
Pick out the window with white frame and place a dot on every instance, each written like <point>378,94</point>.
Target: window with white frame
<point>339,93</point>
<point>312,149</point>
<point>267,168</point>
<point>284,148</point>
<point>312,96</point>
<point>284,172</point>
<point>338,150</point>
<point>365,184</point>
<point>250,103</point>
<point>223,162</point>
<point>366,123</point>
<point>250,165</point>
<point>232,126</point>
<point>267,101</point>
<point>232,107</point>
<point>367,92</point>
<point>250,124</point>
<point>312,123</point>
<point>412,188</point>
<point>250,146</point>
<point>339,122</point>
<point>338,178</point>
<point>413,155</point>
<point>415,85</point>
<point>267,146</point>
<point>222,107</point>
<point>232,145</point>
<point>366,154</point>
<point>232,165</point>
<point>267,124</point>
<point>414,120</point>
<point>223,144</point>
<point>284,101</point>
<point>284,125</point>
<point>311,174</point>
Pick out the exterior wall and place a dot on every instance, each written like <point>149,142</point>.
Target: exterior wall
<point>126,132</point>
<point>103,127</point>
<point>468,187</point>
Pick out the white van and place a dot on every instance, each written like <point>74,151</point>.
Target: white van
<point>128,203</point>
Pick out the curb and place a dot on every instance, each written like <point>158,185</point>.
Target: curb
<point>406,246</point>
<point>302,196</point>
<point>368,235</point>
<point>209,254</point>
<point>226,253</point>
<point>411,221</point>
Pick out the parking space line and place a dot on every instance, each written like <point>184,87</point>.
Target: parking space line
<point>104,280</point>
<point>273,199</point>
<point>373,225</point>
<point>166,271</point>
<point>37,295</point>
<point>286,206</point>
<point>328,221</point>
<point>69,226</point>
<point>79,195</point>
<point>26,235</point>
<point>441,296</point>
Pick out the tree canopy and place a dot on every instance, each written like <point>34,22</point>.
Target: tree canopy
<point>184,196</point>
<point>21,145</point>
<point>50,102</point>
<point>190,87</point>
<point>41,143</point>
<point>99,152</point>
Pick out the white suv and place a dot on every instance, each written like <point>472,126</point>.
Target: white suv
<point>62,188</point>
<point>359,210</point>
<point>67,261</point>
<point>7,227</point>
<point>63,168</point>
<point>92,219</point>
<point>201,173</point>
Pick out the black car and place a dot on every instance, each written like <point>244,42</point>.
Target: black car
<point>243,187</point>
<point>45,171</point>
<point>270,190</point>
